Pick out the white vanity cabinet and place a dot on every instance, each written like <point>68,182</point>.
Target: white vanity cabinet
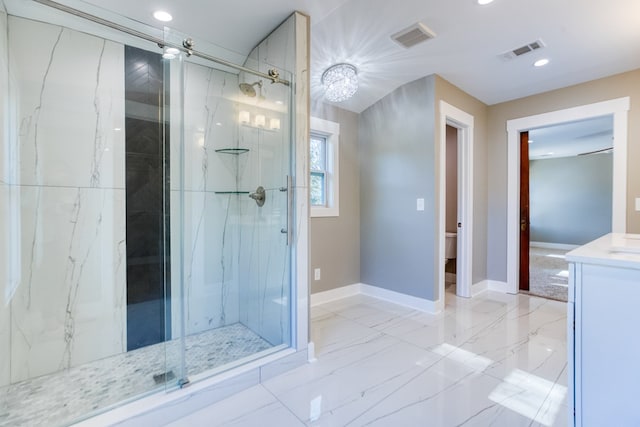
<point>604,332</point>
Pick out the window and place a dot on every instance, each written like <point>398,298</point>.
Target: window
<point>318,170</point>
<point>323,180</point>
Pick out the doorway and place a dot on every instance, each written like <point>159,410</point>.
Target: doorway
<point>451,202</point>
<point>566,186</point>
<point>462,124</point>
<point>618,108</point>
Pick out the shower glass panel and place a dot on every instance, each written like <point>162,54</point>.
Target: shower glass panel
<point>133,258</point>
<point>230,135</point>
<point>83,315</point>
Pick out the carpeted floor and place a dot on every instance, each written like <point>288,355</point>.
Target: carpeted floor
<point>548,273</point>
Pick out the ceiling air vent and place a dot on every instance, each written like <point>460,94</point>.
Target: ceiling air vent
<point>413,35</point>
<point>522,50</point>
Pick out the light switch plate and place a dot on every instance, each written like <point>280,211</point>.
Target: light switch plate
<point>420,204</point>
<point>638,204</point>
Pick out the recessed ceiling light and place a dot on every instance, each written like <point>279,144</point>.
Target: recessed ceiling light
<point>531,141</point>
<point>163,16</point>
<point>541,62</point>
<point>483,2</point>
<point>172,51</point>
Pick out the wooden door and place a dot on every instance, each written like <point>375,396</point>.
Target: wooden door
<point>524,211</point>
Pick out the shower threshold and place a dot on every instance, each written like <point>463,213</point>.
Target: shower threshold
<point>70,395</point>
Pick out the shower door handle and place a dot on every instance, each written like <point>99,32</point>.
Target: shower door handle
<point>289,229</point>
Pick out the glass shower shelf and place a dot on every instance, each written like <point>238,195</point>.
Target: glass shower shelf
<point>232,192</point>
<point>232,150</point>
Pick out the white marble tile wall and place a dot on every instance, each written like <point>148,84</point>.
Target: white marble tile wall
<point>253,259</point>
<point>264,261</point>
<point>210,123</point>
<point>210,242</point>
<point>5,199</point>
<point>278,50</point>
<point>286,50</point>
<point>210,222</point>
<point>71,106</point>
<point>65,195</point>
<point>264,273</point>
<point>4,97</point>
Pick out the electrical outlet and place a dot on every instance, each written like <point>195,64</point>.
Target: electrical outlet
<point>637,203</point>
<point>316,274</point>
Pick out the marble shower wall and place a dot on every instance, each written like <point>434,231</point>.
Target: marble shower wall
<point>210,219</point>
<point>233,249</point>
<point>63,201</point>
<point>265,285</point>
<point>5,199</point>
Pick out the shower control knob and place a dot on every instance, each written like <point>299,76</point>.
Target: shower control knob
<point>259,196</point>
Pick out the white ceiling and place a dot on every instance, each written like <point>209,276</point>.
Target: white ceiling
<point>571,139</point>
<point>585,39</point>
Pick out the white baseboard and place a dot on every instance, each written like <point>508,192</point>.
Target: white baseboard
<point>560,246</point>
<point>335,294</point>
<point>311,352</point>
<point>494,285</point>
<point>416,303</point>
<point>478,288</point>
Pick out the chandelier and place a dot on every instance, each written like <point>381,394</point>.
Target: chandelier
<point>340,82</point>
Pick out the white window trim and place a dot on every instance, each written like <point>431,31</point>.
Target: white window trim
<point>331,131</point>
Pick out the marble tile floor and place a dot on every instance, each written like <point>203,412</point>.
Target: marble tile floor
<point>62,397</point>
<point>493,360</point>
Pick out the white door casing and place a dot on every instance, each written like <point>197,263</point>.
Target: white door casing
<point>464,123</point>
<point>619,108</point>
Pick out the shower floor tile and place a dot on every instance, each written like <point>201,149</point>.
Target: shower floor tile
<point>63,397</point>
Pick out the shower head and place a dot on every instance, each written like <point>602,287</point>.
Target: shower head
<point>247,88</point>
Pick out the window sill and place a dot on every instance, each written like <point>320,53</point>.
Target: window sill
<point>322,212</point>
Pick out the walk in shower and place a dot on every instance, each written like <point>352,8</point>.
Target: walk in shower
<point>146,212</point>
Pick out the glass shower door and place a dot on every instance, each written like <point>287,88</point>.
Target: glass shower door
<point>230,260</point>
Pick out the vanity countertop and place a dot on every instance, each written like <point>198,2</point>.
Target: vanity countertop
<point>615,249</point>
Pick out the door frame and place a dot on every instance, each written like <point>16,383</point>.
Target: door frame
<point>619,108</point>
<point>464,123</point>
<point>525,213</point>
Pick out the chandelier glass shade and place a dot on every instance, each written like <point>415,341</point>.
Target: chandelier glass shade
<point>340,82</point>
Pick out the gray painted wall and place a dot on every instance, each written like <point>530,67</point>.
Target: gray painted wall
<point>335,241</point>
<point>397,249</point>
<point>571,198</point>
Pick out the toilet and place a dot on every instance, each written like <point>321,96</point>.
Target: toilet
<point>450,246</point>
